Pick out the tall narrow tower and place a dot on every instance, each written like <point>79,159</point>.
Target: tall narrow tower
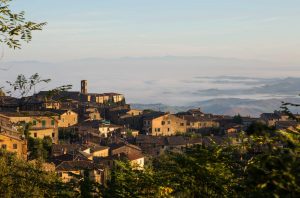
<point>84,86</point>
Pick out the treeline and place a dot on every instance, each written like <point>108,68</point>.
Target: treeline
<point>257,166</point>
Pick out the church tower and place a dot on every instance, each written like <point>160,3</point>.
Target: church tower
<point>84,86</point>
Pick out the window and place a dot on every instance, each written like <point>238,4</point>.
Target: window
<point>53,135</point>
<point>52,122</point>
<point>63,120</point>
<point>35,135</point>
<point>43,123</point>
<point>3,146</point>
<point>181,124</point>
<point>34,122</point>
<point>15,146</point>
<point>169,122</point>
<point>158,129</point>
<point>162,122</point>
<point>168,129</point>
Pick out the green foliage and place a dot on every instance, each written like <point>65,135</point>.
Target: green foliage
<point>68,135</point>
<point>23,85</point>
<point>258,166</point>
<point>14,27</point>
<point>126,181</point>
<point>238,119</point>
<point>200,172</point>
<point>39,148</point>
<point>274,170</point>
<point>21,179</point>
<point>258,128</point>
<point>285,108</point>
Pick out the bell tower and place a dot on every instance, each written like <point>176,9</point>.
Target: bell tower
<point>84,86</point>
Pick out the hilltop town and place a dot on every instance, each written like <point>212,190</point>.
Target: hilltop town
<point>90,131</point>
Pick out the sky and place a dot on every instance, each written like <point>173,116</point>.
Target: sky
<point>162,50</point>
<point>245,29</point>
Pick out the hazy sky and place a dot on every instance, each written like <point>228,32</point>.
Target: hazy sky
<point>247,29</point>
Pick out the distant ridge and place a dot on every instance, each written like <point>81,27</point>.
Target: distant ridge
<point>228,106</point>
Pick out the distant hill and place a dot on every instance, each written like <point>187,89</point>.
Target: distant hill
<point>228,106</point>
<point>161,107</point>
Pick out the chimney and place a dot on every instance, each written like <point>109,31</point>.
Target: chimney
<point>84,86</point>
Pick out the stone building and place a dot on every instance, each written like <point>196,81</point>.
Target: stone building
<point>12,141</point>
<point>164,125</point>
<point>43,124</point>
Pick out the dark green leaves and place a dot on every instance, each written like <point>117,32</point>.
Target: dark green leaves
<point>14,28</point>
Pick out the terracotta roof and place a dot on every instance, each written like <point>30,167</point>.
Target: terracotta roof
<point>270,116</point>
<point>60,111</point>
<point>98,148</point>
<point>287,124</point>
<point>176,140</point>
<point>78,165</point>
<point>98,124</point>
<point>146,139</point>
<point>153,115</point>
<point>27,113</point>
<point>111,94</point>
<point>8,100</point>
<point>121,156</point>
<point>191,118</point>
<point>194,141</point>
<point>84,154</point>
<point>14,135</point>
<point>121,144</point>
<point>162,140</point>
<point>62,158</point>
<point>75,95</point>
<point>62,148</point>
<point>134,156</point>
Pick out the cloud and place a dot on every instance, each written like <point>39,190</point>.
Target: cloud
<point>272,87</point>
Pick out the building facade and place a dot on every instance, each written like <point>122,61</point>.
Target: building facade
<point>42,124</point>
<point>165,125</point>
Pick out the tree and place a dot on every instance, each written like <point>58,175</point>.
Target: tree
<point>200,172</point>
<point>260,129</point>
<point>274,170</point>
<point>238,119</point>
<point>22,87</point>
<point>14,27</point>
<point>39,148</point>
<point>19,178</point>
<point>285,107</point>
<point>126,181</point>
